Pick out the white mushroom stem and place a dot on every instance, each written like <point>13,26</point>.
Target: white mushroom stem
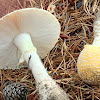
<point>29,53</point>
<point>48,89</point>
<point>96,41</point>
<point>96,29</point>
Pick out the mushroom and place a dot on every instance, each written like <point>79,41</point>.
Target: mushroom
<point>88,63</point>
<point>24,34</point>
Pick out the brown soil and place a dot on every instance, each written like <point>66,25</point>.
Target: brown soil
<point>7,6</point>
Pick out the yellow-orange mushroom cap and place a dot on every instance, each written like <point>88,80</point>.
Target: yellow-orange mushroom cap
<point>88,64</point>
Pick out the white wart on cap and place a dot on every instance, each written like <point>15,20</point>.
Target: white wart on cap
<point>42,26</point>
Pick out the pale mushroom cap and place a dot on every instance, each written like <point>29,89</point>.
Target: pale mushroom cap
<point>88,64</point>
<point>43,27</point>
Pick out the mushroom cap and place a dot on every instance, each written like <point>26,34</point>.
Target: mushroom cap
<point>42,26</point>
<point>88,64</point>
